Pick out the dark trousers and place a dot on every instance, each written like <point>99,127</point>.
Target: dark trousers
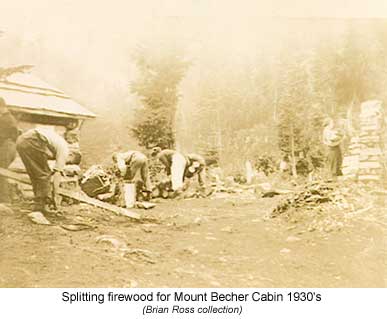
<point>335,160</point>
<point>35,161</point>
<point>7,155</point>
<point>139,164</point>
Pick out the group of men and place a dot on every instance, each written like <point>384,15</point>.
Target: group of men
<point>177,166</point>
<point>36,147</point>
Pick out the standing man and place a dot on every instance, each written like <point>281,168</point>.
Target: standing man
<point>36,147</point>
<point>131,162</point>
<point>332,138</point>
<point>8,136</point>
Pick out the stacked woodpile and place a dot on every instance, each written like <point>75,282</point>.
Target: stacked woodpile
<point>351,161</point>
<point>366,159</point>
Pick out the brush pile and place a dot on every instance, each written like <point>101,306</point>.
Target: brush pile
<point>311,197</point>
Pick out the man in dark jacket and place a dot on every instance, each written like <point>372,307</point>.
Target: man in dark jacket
<point>8,136</point>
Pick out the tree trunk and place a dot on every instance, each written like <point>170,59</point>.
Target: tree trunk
<point>293,156</point>
<point>275,115</point>
<point>219,139</point>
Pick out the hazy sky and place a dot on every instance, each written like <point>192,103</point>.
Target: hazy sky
<point>83,46</point>
<point>79,45</point>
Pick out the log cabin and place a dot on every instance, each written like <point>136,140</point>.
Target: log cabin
<point>35,103</point>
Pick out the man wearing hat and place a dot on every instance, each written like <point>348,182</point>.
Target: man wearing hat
<point>8,136</point>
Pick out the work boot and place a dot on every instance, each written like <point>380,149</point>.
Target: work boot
<point>178,194</point>
<point>147,195</point>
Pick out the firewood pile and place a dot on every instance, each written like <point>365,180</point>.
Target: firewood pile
<point>366,159</point>
<point>156,171</point>
<point>162,187</point>
<point>370,157</point>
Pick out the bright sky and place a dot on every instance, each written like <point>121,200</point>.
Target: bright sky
<point>138,8</point>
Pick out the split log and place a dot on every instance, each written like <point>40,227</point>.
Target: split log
<point>97,203</point>
<point>74,195</point>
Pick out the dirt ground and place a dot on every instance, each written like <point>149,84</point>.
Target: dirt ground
<point>222,242</point>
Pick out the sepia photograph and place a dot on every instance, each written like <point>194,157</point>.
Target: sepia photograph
<point>144,148</point>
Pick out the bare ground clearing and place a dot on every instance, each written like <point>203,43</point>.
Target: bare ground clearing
<point>193,243</point>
